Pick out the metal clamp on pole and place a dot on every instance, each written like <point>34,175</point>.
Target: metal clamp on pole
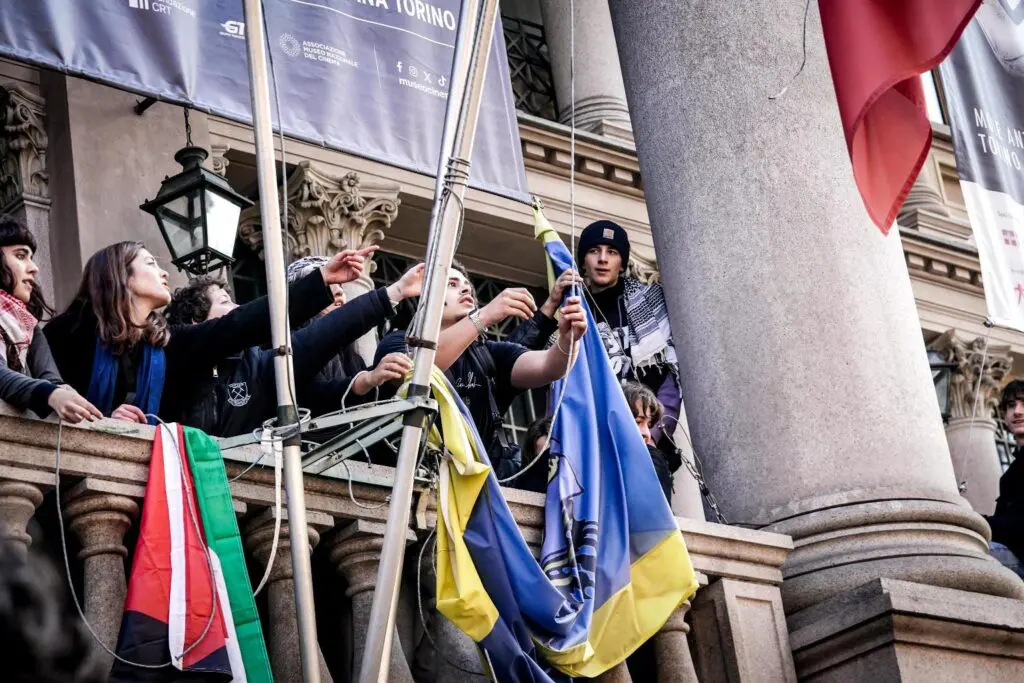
<point>469,68</point>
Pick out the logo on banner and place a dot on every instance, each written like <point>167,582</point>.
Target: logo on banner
<point>233,29</point>
<point>138,4</point>
<point>289,45</point>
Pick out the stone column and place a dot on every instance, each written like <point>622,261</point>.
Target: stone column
<point>673,651</point>
<point>283,636</point>
<point>803,365</point>
<point>327,214</point>
<point>356,554</point>
<point>99,521</point>
<point>18,503</point>
<point>617,674</point>
<point>600,95</point>
<point>24,179</point>
<point>972,443</point>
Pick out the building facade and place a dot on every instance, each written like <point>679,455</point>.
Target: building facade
<point>739,229</point>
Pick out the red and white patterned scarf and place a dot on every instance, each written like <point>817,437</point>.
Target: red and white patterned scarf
<point>18,326</point>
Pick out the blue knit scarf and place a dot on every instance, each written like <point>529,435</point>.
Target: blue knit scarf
<point>149,383</point>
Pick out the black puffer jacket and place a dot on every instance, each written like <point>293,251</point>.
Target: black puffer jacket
<point>1008,521</point>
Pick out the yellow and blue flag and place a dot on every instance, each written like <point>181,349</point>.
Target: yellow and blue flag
<point>613,564</point>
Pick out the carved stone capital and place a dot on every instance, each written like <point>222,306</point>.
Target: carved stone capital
<point>643,270</point>
<point>968,357</point>
<point>23,144</point>
<point>327,214</point>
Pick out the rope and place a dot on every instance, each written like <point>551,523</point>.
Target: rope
<point>67,564</point>
<point>803,62</point>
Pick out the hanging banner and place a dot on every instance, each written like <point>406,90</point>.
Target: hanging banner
<point>983,79</point>
<point>368,77</point>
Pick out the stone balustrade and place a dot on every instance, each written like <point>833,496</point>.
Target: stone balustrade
<point>733,629</point>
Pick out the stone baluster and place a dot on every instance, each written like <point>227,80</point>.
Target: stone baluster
<point>99,519</point>
<point>617,674</point>
<point>355,552</point>
<point>672,651</point>
<point>283,636</point>
<point>18,502</point>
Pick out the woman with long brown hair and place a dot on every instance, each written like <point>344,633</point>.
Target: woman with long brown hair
<point>114,345</point>
<point>28,376</point>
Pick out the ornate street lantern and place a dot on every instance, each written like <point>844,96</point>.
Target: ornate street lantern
<point>942,375</point>
<point>197,213</point>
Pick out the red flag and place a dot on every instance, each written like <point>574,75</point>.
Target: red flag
<point>877,50</point>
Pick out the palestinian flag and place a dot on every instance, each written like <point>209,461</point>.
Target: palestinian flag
<point>189,614</point>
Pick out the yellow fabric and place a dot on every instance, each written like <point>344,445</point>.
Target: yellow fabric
<point>659,582</point>
<point>461,596</point>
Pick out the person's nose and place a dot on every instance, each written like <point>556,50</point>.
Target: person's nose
<point>32,268</point>
<point>602,255</point>
<point>1018,409</point>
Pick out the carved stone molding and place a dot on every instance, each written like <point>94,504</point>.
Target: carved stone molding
<point>218,159</point>
<point>968,356</point>
<point>643,270</point>
<point>23,144</point>
<point>327,214</point>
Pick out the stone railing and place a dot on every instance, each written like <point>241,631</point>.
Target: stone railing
<point>735,629</point>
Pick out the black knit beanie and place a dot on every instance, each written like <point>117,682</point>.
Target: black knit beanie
<point>603,232</point>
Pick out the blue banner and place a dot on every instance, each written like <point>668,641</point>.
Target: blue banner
<point>368,77</point>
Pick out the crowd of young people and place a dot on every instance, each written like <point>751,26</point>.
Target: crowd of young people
<point>128,349</point>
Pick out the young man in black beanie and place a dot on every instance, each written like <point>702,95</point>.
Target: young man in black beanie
<point>1007,522</point>
<point>632,318</point>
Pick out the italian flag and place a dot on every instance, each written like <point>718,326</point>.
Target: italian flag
<point>189,614</point>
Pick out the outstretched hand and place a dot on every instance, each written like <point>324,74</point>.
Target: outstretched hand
<point>573,321</point>
<point>346,265</point>
<point>564,281</point>
<point>409,285</point>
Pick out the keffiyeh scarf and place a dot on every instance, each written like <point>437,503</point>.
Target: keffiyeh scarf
<point>650,336</point>
<point>17,327</point>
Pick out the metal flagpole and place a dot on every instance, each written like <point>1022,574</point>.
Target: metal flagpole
<point>287,416</point>
<point>469,68</point>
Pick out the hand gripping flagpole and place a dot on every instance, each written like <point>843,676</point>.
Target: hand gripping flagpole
<point>273,251</point>
<point>469,68</point>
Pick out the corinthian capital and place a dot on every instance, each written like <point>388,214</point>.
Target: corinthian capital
<point>23,144</point>
<point>973,362</point>
<point>327,214</point>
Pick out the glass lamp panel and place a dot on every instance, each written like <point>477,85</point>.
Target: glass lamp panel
<point>222,216</point>
<point>178,220</point>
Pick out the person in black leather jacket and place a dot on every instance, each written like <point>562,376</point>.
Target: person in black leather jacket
<point>1007,522</point>
<point>239,394</point>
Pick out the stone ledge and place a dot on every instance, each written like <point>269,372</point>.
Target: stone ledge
<point>846,632</point>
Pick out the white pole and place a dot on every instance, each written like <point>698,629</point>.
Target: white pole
<point>273,254</point>
<point>469,68</point>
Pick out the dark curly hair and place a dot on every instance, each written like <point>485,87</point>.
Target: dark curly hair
<point>13,233</point>
<point>44,640</point>
<point>190,304</point>
<point>638,393</point>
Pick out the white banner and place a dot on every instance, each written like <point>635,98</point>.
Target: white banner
<point>983,79</point>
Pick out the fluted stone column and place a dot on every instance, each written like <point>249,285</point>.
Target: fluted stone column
<point>356,553</point>
<point>327,214</point>
<point>672,650</point>
<point>600,95</point>
<point>18,503</point>
<point>283,636</point>
<point>99,521</point>
<point>803,367</point>
<point>972,442</point>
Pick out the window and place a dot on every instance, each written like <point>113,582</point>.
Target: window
<point>933,97</point>
<point>530,67</point>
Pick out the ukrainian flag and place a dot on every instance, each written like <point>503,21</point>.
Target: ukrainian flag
<point>613,564</point>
